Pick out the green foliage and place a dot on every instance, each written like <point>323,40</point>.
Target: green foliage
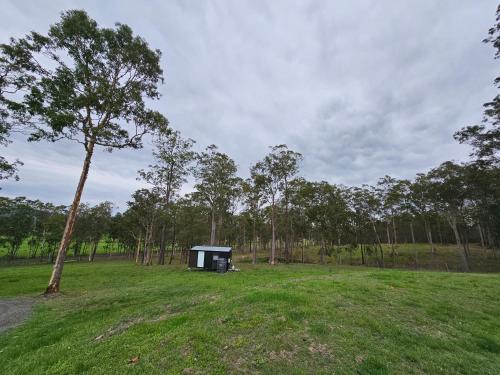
<point>92,86</point>
<point>485,137</point>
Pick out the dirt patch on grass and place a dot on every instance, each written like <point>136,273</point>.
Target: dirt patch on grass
<point>14,311</point>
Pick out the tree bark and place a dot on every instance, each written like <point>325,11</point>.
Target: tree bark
<point>138,250</point>
<point>273,240</point>
<point>55,279</point>
<point>173,242</point>
<point>254,243</point>
<point>212,229</point>
<point>429,236</point>
<point>481,236</point>
<point>395,239</point>
<point>287,225</point>
<point>461,252</point>
<point>93,251</point>
<point>161,254</point>
<point>379,244</point>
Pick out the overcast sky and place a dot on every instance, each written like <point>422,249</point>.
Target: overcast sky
<point>361,88</point>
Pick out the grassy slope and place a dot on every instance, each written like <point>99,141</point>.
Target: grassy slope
<point>288,319</point>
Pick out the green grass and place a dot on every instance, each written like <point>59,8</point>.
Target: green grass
<point>297,319</point>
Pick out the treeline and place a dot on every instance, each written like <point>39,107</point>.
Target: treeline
<point>453,203</point>
<point>273,210</point>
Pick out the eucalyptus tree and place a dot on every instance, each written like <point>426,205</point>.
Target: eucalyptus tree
<point>277,170</point>
<point>13,81</point>
<point>16,222</point>
<point>190,221</point>
<point>389,189</point>
<point>89,85</point>
<point>253,194</point>
<point>301,224</point>
<point>484,195</point>
<point>217,185</point>
<point>448,185</point>
<point>172,159</point>
<point>99,226</point>
<point>485,138</point>
<point>367,210</point>
<point>326,210</point>
<point>126,229</point>
<point>146,206</point>
<point>423,202</point>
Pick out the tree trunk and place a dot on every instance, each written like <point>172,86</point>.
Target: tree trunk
<point>273,240</point>
<point>322,251</point>
<point>379,244</point>
<point>303,241</point>
<point>138,250</point>
<point>254,241</point>
<point>212,229</point>
<point>481,236</point>
<point>161,254</point>
<point>55,279</point>
<point>395,239</point>
<point>287,226</point>
<point>429,236</point>
<point>415,249</point>
<point>173,242</point>
<point>93,251</point>
<point>461,252</point>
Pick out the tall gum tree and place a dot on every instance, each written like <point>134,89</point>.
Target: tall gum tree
<point>216,184</point>
<point>89,85</point>
<point>277,170</point>
<point>173,156</point>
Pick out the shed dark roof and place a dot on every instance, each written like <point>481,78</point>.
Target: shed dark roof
<point>220,249</point>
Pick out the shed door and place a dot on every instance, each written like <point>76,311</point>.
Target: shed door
<point>201,259</point>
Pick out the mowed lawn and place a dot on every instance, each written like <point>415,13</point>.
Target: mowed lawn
<point>296,319</point>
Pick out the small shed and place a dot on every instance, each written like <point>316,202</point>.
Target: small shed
<point>210,257</point>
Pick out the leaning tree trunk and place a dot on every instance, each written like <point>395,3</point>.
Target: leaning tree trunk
<point>461,252</point>
<point>138,249</point>
<point>55,279</point>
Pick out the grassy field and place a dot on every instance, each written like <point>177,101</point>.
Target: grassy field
<point>296,319</point>
<point>414,256</point>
